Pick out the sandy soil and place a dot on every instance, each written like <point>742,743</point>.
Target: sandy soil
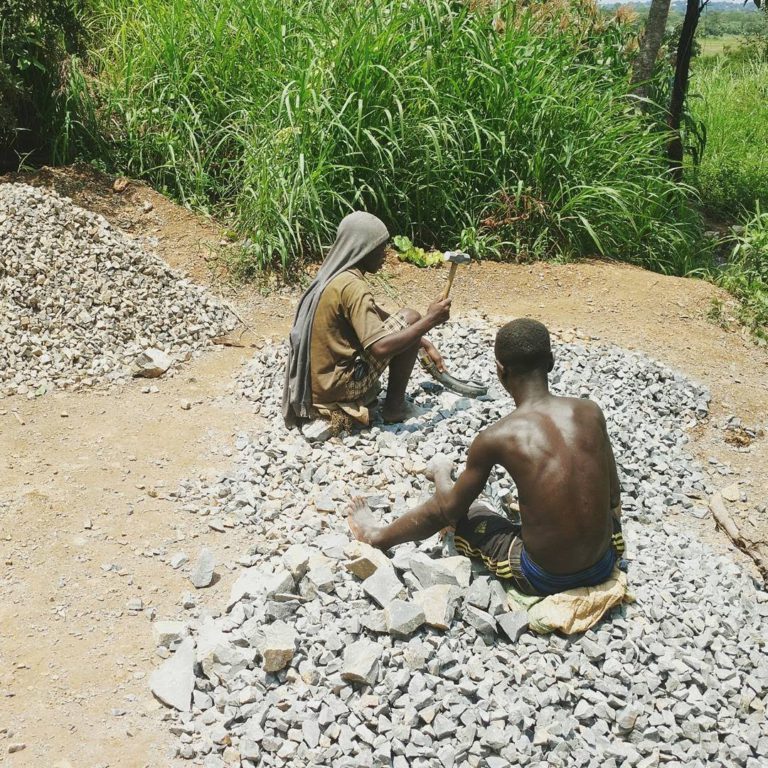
<point>84,477</point>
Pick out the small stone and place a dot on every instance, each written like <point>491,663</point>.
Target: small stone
<point>384,586</point>
<point>513,624</point>
<point>365,560</point>
<point>479,593</point>
<point>166,633</point>
<point>185,405</point>
<point>202,573</point>
<point>321,578</point>
<point>17,746</point>
<point>439,604</point>
<point>277,646</point>
<point>627,718</point>
<point>174,680</point>
<point>250,583</point>
<point>177,560</point>
<point>296,560</point>
<point>483,622</point>
<point>152,363</point>
<point>310,731</point>
<point>317,431</point>
<point>403,618</point>
<point>731,492</point>
<point>361,662</point>
<point>135,604</point>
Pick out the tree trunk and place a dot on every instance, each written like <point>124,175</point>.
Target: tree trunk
<point>650,45</point>
<point>693,11</point>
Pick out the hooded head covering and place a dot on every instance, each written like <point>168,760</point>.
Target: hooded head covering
<point>357,235</point>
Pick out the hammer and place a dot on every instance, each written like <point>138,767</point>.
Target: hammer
<point>454,258</point>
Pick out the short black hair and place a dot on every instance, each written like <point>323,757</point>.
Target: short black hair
<point>523,346</point>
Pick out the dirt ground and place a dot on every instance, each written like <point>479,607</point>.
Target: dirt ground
<point>87,528</point>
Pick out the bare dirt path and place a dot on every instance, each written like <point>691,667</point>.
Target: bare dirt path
<point>85,492</point>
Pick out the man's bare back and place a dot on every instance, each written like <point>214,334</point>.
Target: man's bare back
<point>557,451</point>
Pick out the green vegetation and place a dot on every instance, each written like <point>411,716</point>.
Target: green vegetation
<point>502,128</point>
<point>717,45</point>
<point>732,102</point>
<point>407,251</point>
<point>746,273</point>
<point>36,39</point>
<point>289,114</point>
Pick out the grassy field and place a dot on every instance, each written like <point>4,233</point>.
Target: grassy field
<point>730,98</point>
<point>286,115</point>
<point>714,46</point>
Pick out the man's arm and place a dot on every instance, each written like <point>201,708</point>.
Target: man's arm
<point>395,343</point>
<point>445,507</point>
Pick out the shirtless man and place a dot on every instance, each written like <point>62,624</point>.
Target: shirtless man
<point>557,451</point>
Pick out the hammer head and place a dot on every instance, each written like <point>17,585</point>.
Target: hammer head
<point>456,257</point>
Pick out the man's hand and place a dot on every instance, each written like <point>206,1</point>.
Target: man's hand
<point>439,311</point>
<point>433,354</point>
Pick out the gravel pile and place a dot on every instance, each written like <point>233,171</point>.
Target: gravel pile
<point>329,654</point>
<point>79,299</point>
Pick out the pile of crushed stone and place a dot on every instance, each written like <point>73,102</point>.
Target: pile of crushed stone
<point>328,654</point>
<point>79,299</point>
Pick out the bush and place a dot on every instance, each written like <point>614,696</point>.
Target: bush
<point>730,96</point>
<point>36,38</point>
<point>746,273</point>
<point>444,121</point>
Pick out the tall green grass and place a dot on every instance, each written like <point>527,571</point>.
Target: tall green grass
<point>287,114</point>
<point>731,99</point>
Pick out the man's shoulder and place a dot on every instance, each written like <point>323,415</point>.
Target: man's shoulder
<point>346,284</point>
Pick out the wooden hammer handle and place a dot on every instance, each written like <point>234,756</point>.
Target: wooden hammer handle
<point>451,275</point>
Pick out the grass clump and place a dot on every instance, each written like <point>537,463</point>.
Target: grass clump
<point>745,275</point>
<point>458,124</point>
<point>732,102</point>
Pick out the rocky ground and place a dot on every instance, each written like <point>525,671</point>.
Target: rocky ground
<point>93,539</point>
<point>328,654</point>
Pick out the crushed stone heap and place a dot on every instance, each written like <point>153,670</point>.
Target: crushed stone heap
<point>328,653</point>
<point>79,299</point>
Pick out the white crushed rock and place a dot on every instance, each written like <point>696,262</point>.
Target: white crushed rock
<point>680,678</point>
<point>80,299</point>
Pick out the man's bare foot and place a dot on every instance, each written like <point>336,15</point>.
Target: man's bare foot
<point>439,464</point>
<point>362,522</point>
<point>401,413</point>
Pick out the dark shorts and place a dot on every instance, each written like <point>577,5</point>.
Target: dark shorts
<point>485,535</point>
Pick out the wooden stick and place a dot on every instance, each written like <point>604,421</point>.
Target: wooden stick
<point>725,522</point>
<point>451,275</point>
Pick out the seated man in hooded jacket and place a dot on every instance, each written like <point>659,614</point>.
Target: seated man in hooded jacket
<point>342,340</point>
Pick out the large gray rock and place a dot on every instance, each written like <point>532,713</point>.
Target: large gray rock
<point>361,662</point>
<point>403,618</point>
<point>152,363</point>
<point>383,586</point>
<point>296,560</point>
<point>513,624</point>
<point>174,680</point>
<point>482,621</point>
<point>455,571</point>
<point>439,604</point>
<point>250,583</point>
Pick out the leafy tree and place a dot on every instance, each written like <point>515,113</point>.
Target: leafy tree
<point>36,39</point>
<point>650,45</point>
